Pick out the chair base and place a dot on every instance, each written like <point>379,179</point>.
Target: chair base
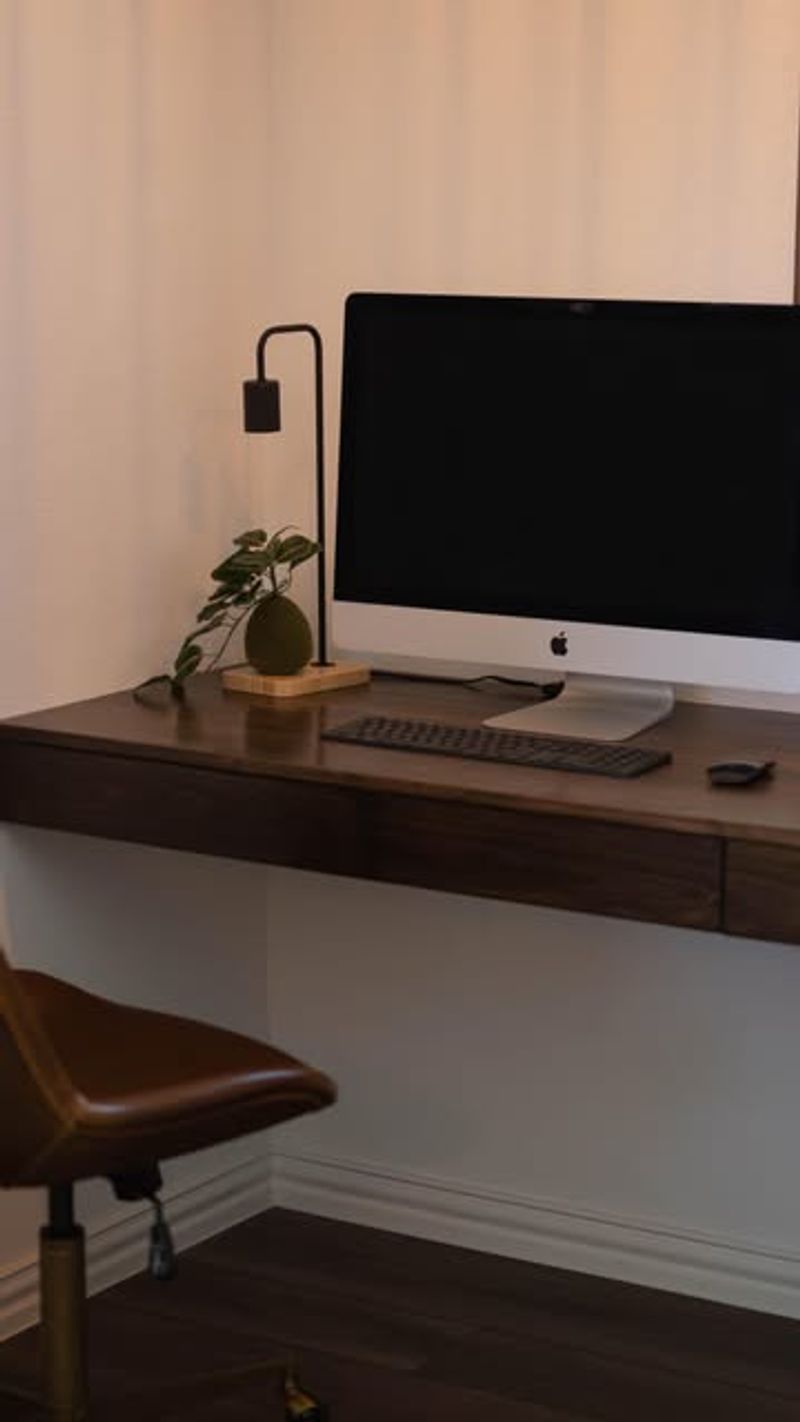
<point>62,1280</point>
<point>299,1405</point>
<point>65,1392</point>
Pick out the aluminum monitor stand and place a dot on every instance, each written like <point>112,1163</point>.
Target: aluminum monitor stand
<point>594,708</point>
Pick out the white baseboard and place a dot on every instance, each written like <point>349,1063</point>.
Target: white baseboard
<point>733,1271</point>
<point>117,1247</point>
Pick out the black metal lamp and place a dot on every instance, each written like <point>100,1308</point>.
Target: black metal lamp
<point>262,415</point>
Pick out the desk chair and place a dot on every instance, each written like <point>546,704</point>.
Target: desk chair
<point>91,1088</point>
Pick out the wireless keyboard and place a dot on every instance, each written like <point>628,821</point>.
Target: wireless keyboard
<point>508,747</point>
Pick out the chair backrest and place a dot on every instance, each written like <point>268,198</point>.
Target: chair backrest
<point>35,1091</point>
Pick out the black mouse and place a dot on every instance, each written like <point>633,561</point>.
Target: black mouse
<point>739,772</point>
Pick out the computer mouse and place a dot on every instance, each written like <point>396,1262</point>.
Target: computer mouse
<point>739,772</point>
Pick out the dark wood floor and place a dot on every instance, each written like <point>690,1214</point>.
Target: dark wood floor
<point>399,1330</point>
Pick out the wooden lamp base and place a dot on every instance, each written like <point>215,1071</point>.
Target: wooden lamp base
<point>311,679</point>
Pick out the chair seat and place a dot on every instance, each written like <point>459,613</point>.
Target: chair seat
<point>149,1085</point>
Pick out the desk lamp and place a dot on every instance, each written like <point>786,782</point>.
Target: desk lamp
<point>262,415</point>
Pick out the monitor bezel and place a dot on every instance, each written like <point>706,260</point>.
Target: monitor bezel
<point>524,643</point>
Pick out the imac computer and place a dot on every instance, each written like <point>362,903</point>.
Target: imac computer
<point>608,491</point>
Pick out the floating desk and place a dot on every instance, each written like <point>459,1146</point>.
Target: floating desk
<point>226,774</point>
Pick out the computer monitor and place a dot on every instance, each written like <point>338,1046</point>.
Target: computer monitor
<point>602,487</point>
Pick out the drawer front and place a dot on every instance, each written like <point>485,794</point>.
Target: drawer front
<point>455,846</point>
<point>762,891</point>
<point>554,860</point>
<point>208,811</point>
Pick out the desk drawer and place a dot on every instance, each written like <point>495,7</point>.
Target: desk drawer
<point>762,891</point>
<point>204,810</point>
<point>559,861</point>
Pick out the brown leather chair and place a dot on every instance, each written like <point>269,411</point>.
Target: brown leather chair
<point>92,1088</point>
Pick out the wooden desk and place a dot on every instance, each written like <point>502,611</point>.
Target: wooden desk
<point>227,774</point>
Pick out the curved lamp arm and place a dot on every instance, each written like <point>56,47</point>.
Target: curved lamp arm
<point>262,415</point>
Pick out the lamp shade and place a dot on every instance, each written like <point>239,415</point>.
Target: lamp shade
<point>262,406</point>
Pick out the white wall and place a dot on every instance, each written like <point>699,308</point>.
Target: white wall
<point>133,282</point>
<point>182,172</point>
<point>594,1093</point>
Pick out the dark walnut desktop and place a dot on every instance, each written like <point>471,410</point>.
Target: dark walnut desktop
<point>232,775</point>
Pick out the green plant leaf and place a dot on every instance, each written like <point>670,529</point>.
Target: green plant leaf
<point>272,546</point>
<point>189,657</point>
<point>232,568</point>
<point>251,562</point>
<point>210,626</point>
<point>296,549</point>
<point>253,538</point>
<point>152,681</point>
<point>213,607</point>
<point>181,673</point>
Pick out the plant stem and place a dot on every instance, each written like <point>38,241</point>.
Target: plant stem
<point>227,638</point>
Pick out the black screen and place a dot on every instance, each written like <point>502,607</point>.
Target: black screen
<point>628,463</point>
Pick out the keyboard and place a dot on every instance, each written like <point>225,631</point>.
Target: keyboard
<point>507,747</point>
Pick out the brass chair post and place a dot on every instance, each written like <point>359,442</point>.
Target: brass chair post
<point>62,1280</point>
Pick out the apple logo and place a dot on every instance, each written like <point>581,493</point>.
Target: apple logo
<point>558,645</point>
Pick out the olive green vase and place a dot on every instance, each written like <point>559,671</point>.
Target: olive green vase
<point>277,638</point>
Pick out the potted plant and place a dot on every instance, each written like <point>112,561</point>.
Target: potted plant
<point>252,582</point>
